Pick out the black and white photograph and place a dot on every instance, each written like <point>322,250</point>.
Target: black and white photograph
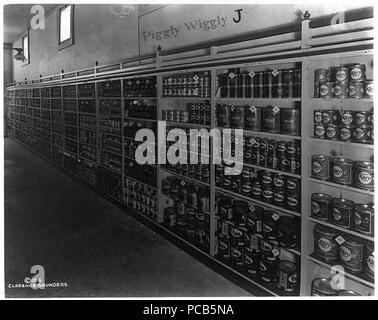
<point>188,150</point>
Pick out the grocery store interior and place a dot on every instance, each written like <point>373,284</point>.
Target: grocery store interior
<point>188,150</point>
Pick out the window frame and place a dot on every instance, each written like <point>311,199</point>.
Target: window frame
<point>70,41</point>
<point>25,61</point>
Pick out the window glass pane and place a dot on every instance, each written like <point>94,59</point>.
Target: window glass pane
<point>65,24</point>
<point>26,47</point>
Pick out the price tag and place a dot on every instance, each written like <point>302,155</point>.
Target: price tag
<point>254,242</point>
<point>170,202</point>
<point>275,252</point>
<point>195,78</point>
<point>276,216</point>
<point>340,240</point>
<point>251,74</point>
<point>252,141</point>
<point>231,75</point>
<point>276,109</point>
<point>183,183</point>
<point>251,208</point>
<point>252,108</point>
<point>274,73</point>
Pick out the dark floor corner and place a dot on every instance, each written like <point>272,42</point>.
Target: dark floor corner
<point>83,240</point>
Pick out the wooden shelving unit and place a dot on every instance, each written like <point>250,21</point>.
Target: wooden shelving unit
<point>306,54</point>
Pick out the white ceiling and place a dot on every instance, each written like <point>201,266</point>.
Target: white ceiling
<point>17,18</point>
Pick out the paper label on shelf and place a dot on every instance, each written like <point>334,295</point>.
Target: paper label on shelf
<point>231,75</point>
<point>275,252</point>
<point>340,240</point>
<point>183,183</point>
<point>252,141</point>
<point>276,216</point>
<point>274,73</point>
<point>251,74</point>
<point>170,202</point>
<point>252,108</point>
<point>276,109</point>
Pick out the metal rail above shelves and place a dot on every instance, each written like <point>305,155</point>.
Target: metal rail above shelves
<point>341,143</point>
<point>341,186</point>
<point>266,134</point>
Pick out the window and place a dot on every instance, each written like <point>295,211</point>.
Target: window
<point>25,48</point>
<point>65,26</point>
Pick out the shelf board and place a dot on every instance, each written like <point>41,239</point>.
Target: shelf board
<point>187,98</point>
<point>140,119</point>
<point>141,182</point>
<point>71,139</point>
<point>87,113</point>
<point>118,135</point>
<point>108,98</point>
<point>267,134</point>
<point>87,159</point>
<point>341,186</point>
<point>366,100</point>
<point>140,98</point>
<point>186,177</point>
<point>87,144</point>
<point>355,277</point>
<point>262,100</point>
<point>330,225</point>
<point>295,251</point>
<point>188,125</point>
<point>341,143</point>
<point>298,176</point>
<point>117,153</point>
<point>110,169</point>
<point>259,202</point>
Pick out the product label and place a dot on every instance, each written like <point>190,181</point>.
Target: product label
<point>331,132</point>
<point>360,118</point>
<point>352,90</point>
<point>345,253</point>
<point>318,116</point>
<point>324,245</point>
<point>315,208</point>
<point>336,214</point>
<point>345,133</point>
<point>323,90</point>
<point>278,182</point>
<point>357,219</point>
<point>356,74</point>
<point>365,177</point>
<point>341,75</point>
<point>347,118</point>
<point>369,90</point>
<point>316,167</point>
<point>337,172</point>
<point>370,263</point>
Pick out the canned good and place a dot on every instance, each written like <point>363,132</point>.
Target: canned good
<point>346,133</point>
<point>319,131</point>
<point>237,117</point>
<point>341,89</point>
<point>318,118</point>
<point>321,206</point>
<point>237,255</point>
<point>270,225</point>
<point>341,171</point>
<point>268,270</point>
<point>363,219</point>
<point>341,74</point>
<point>288,232</point>
<point>225,208</point>
<point>330,117</point>
<point>271,119</point>
<point>369,260</point>
<point>290,121</point>
<point>346,117</point>
<point>252,261</point>
<point>321,167</point>
<point>254,219</point>
<point>351,254</point>
<point>170,216</point>
<point>224,247</point>
<point>322,287</point>
<point>342,211</point>
<point>292,201</point>
<point>331,132</point>
<point>287,275</point>
<point>267,193</point>
<point>356,90</point>
<point>256,190</point>
<point>326,89</point>
<point>253,118</point>
<point>184,116</point>
<point>364,175</point>
<point>369,89</point>
<point>240,212</point>
<point>279,197</point>
<point>322,75</point>
<point>325,245</point>
<point>357,72</point>
<point>223,116</point>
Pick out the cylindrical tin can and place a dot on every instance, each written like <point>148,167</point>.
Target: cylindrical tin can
<point>325,245</point>
<point>225,208</point>
<point>363,220</point>
<point>342,212</point>
<point>270,225</point>
<point>331,132</point>
<point>364,175</point>
<point>267,193</point>
<point>288,86</point>
<point>268,270</point>
<point>237,117</point>
<point>369,89</point>
<point>319,131</point>
<point>341,74</point>
<point>346,133</point>
<point>326,90</point>
<point>271,119</point>
<point>341,89</point>
<point>254,219</point>
<point>240,212</point>
<point>321,167</point>
<point>363,118</point>
<point>346,117</point>
<point>330,117</point>
<point>223,116</point>
<point>357,72</point>
<point>288,232</point>
<point>253,118</point>
<point>322,75</point>
<point>293,201</point>
<point>321,206</point>
<point>290,121</point>
<point>224,247</point>
<point>356,90</point>
<point>351,254</point>
<point>369,260</point>
<point>341,171</point>
<point>287,275</point>
<point>252,262</point>
<point>257,190</point>
<point>322,287</point>
<point>258,85</point>
<point>318,118</point>
<point>293,185</point>
<point>237,254</point>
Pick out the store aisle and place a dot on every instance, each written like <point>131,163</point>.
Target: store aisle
<point>84,241</point>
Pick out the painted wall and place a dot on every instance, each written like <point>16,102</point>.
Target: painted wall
<point>102,35</point>
<point>99,34</point>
